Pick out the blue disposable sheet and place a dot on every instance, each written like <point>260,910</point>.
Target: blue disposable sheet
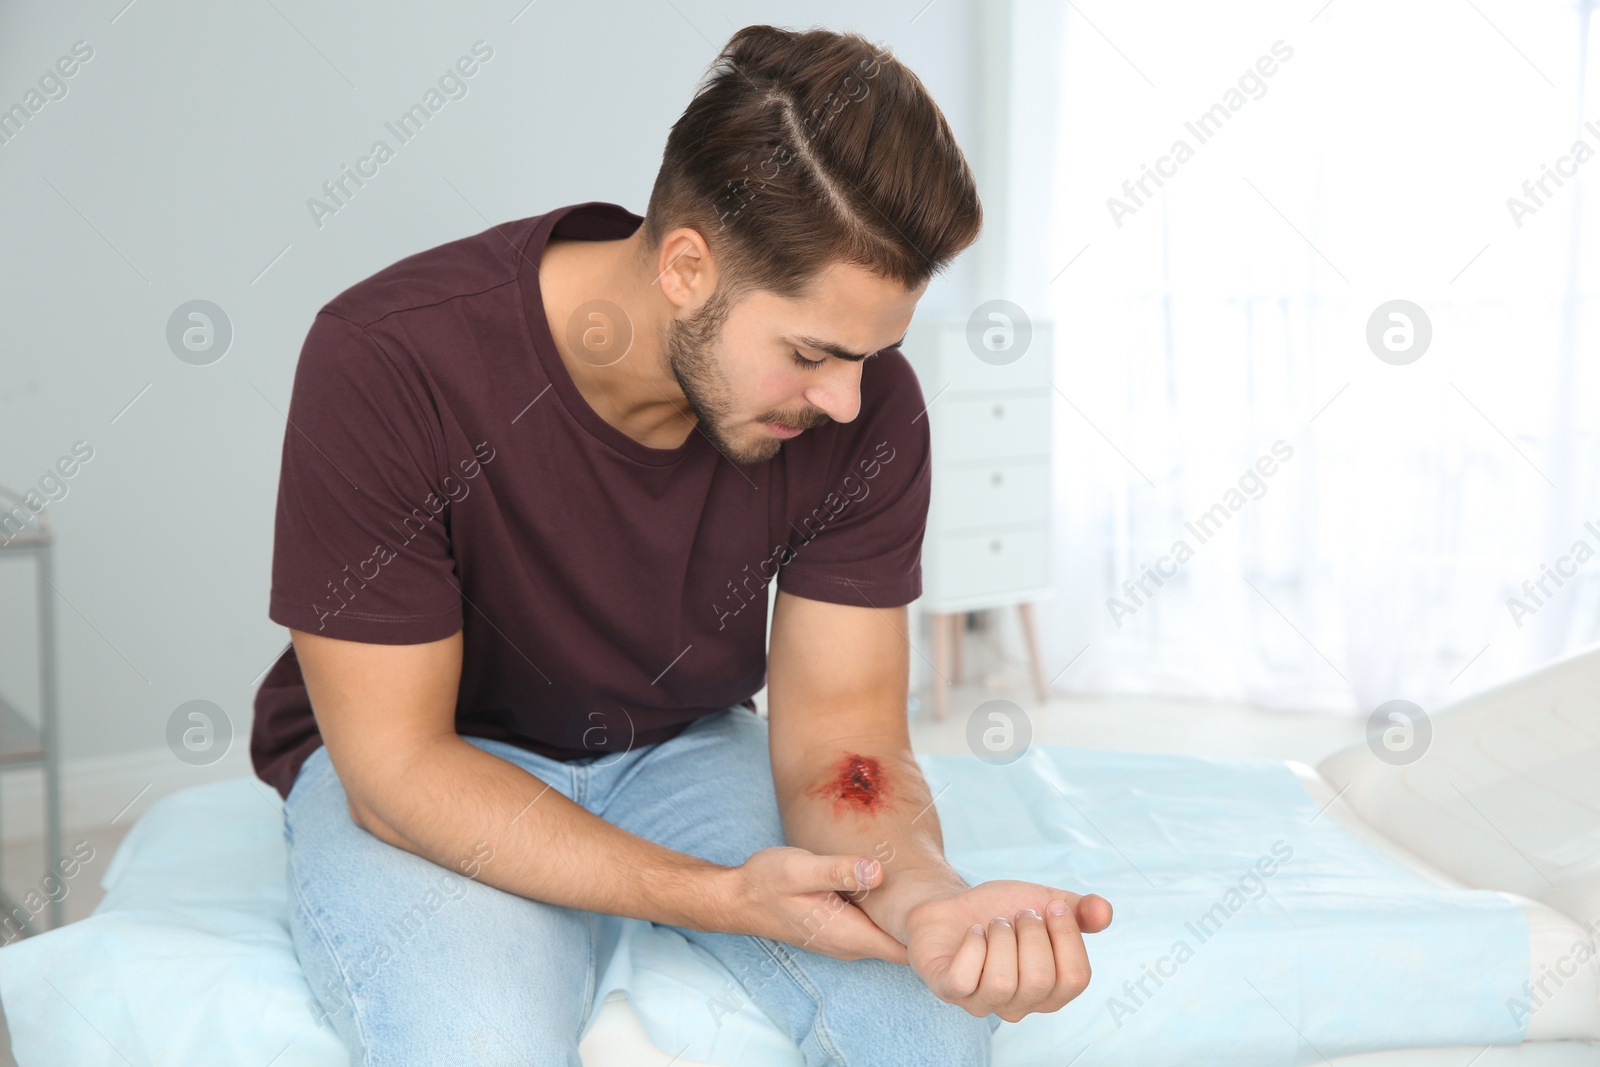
<point>1250,929</point>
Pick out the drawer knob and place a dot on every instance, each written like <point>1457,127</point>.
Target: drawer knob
<point>994,479</point>
<point>994,546</point>
<point>999,411</point>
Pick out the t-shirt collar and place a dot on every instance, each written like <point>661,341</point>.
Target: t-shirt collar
<point>592,220</point>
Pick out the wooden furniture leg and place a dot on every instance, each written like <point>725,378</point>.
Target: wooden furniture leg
<point>1036,665</point>
<point>939,684</point>
<point>958,633</point>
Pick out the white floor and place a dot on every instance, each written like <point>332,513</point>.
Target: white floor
<point>20,859</point>
<point>1147,724</point>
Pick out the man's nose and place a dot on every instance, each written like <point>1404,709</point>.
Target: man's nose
<point>840,396</point>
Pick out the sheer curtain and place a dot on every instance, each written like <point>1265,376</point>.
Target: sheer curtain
<point>1252,505</point>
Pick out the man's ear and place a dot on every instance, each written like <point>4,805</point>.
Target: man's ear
<point>685,268</point>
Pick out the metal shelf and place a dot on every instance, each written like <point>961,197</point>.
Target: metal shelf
<point>23,743</point>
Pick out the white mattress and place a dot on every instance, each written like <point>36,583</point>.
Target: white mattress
<point>1572,1012</point>
<point>1506,797</point>
<point>618,1040</point>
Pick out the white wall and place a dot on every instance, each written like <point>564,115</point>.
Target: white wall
<point>178,166</point>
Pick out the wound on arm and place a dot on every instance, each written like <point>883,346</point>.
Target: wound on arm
<point>857,784</point>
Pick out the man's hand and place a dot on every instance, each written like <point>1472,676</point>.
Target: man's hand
<point>999,947</point>
<point>792,895</point>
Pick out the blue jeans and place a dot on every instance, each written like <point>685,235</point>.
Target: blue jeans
<point>415,963</point>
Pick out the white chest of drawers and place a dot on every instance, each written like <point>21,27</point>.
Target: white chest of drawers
<point>987,543</point>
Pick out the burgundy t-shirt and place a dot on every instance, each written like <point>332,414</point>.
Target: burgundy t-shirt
<point>442,472</point>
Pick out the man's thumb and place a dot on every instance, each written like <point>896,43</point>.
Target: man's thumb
<point>849,873</point>
<point>1093,913</point>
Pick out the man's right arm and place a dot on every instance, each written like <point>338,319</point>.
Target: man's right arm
<point>387,716</point>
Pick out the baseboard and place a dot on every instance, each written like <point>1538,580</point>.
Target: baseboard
<point>99,791</point>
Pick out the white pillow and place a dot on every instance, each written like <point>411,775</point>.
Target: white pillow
<point>1506,793</point>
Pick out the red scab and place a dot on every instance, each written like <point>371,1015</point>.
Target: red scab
<point>858,784</point>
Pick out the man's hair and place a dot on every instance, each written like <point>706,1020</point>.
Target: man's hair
<point>805,149</point>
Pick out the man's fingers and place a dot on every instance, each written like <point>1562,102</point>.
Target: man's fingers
<point>894,952</point>
<point>1071,958</point>
<point>838,928</point>
<point>1036,965</point>
<point>999,982</point>
<point>859,934</point>
<point>960,979</point>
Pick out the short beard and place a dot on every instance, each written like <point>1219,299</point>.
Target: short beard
<point>689,346</point>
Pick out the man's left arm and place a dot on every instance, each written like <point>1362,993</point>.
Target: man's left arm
<point>837,681</point>
<point>847,781</point>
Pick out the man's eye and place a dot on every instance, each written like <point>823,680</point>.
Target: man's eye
<point>808,364</point>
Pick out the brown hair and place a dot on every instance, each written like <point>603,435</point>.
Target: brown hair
<point>803,149</point>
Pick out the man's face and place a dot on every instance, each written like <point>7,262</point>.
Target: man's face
<point>738,368</point>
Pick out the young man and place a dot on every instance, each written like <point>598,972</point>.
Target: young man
<point>535,483</point>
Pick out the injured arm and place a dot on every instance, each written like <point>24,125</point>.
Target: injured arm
<point>841,752</point>
<point>870,797</point>
<point>847,782</point>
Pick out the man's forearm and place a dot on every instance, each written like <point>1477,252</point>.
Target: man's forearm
<point>870,799</point>
<point>479,815</point>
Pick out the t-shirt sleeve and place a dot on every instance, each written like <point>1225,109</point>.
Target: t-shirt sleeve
<point>859,539</point>
<point>361,547</point>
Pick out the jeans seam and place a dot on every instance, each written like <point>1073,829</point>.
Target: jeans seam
<point>338,962</point>
<point>796,973</point>
<point>592,979</point>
